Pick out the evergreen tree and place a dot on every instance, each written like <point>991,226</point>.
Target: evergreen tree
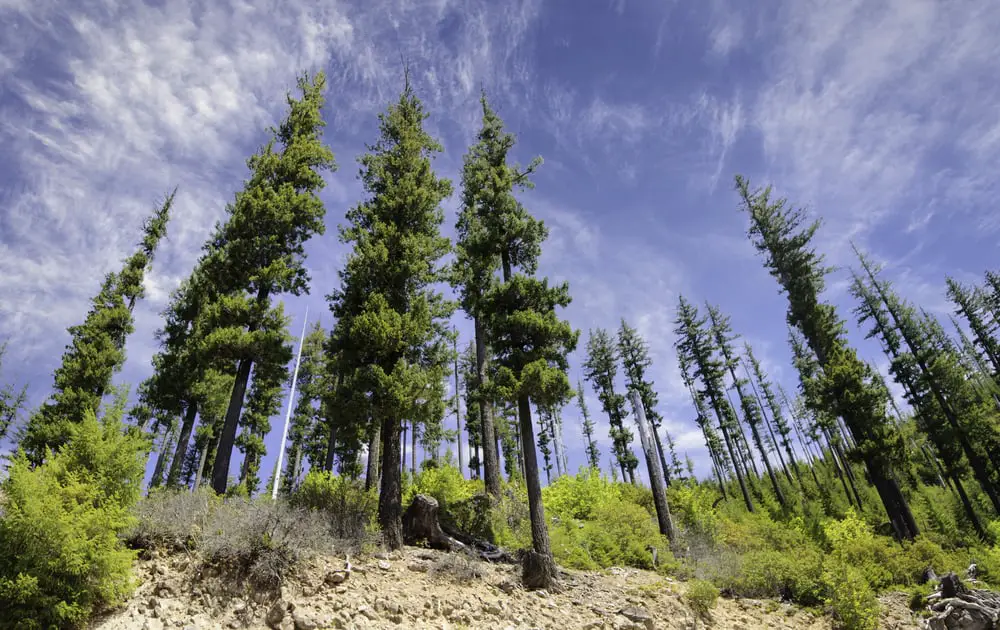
<point>780,423</point>
<point>97,347</point>
<point>634,352</point>
<point>696,354</point>
<point>947,407</point>
<point>846,387</point>
<point>528,338</point>
<point>970,304</point>
<point>258,254</point>
<point>390,317</point>
<point>752,414</point>
<point>484,245</point>
<point>546,421</point>
<point>593,453</point>
<point>11,401</point>
<point>601,368</point>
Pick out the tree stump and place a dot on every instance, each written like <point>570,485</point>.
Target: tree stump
<point>538,571</point>
<point>958,607</point>
<point>420,524</point>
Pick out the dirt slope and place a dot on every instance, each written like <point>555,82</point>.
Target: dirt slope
<point>418,588</point>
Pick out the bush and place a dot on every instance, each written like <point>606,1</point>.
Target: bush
<point>60,554</point>
<point>851,597</point>
<point>790,575</point>
<point>260,541</point>
<point>350,510</point>
<point>701,596</point>
<point>172,519</point>
<point>445,483</point>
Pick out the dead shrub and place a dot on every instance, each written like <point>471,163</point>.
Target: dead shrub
<point>171,519</point>
<point>261,541</point>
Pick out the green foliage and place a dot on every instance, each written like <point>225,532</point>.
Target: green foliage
<point>96,350</point>
<point>348,508</point>
<point>851,597</point>
<point>601,368</point>
<point>60,554</point>
<point>701,596</point>
<point>11,401</point>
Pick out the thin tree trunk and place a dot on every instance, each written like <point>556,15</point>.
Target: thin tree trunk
<point>458,410</point>
<point>736,464</point>
<point>165,445</point>
<point>967,505</point>
<point>390,496</point>
<point>663,459</point>
<point>372,471</point>
<point>539,528</point>
<point>208,447</point>
<point>180,452</point>
<point>413,448</point>
<point>490,458</point>
<point>331,444</point>
<point>656,481</point>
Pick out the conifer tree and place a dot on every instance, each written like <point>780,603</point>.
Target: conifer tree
<point>258,253</point>
<point>593,453</point>
<point>485,244</point>
<point>528,338</point>
<point>634,352</point>
<point>780,423</point>
<point>722,334</point>
<point>390,315</point>
<point>97,347</point>
<point>846,387</point>
<point>11,401</point>
<point>949,415</point>
<point>696,352</point>
<point>969,303</point>
<point>545,439</point>
<point>472,396</point>
<point>601,368</point>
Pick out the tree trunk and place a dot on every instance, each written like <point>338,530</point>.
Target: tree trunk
<point>656,481</point>
<point>413,448</point>
<point>402,450</point>
<point>539,529</point>
<point>458,410</point>
<point>227,439</point>
<point>663,459</point>
<point>180,452</point>
<point>371,473</point>
<point>165,445</point>
<point>970,511</point>
<point>736,468</point>
<point>488,441</point>
<point>207,448</point>
<point>390,496</point>
<point>331,444</point>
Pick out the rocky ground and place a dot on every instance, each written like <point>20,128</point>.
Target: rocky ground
<point>418,588</point>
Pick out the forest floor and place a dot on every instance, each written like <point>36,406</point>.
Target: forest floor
<point>420,588</point>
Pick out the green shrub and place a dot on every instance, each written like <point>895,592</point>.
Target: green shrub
<point>444,483</point>
<point>350,510</point>
<point>60,554</point>
<point>701,596</point>
<point>851,598</point>
<point>792,575</point>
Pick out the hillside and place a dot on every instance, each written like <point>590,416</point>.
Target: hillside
<point>421,588</point>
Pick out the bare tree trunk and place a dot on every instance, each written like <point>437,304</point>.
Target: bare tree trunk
<point>458,409</point>
<point>656,480</point>
<point>539,531</point>
<point>372,472</point>
<point>180,451</point>
<point>488,442</point>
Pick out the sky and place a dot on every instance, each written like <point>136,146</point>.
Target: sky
<point>880,118</point>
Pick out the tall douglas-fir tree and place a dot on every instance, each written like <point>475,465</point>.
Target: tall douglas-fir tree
<point>593,453</point>
<point>529,340</point>
<point>97,347</point>
<point>258,253</point>
<point>390,315</point>
<point>846,387</point>
<point>601,368</point>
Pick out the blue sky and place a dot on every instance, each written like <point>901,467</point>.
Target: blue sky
<point>880,117</point>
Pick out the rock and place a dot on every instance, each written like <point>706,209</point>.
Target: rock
<point>275,615</point>
<point>381,555</point>
<point>418,567</point>
<point>637,615</point>
<point>302,621</point>
<point>384,565</point>
<point>335,577</point>
<point>152,624</point>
